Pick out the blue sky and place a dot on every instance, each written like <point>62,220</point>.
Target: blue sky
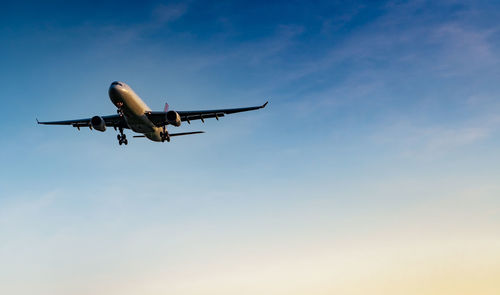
<point>379,148</point>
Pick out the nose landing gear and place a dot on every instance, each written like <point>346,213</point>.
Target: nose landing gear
<point>122,138</point>
<point>119,111</point>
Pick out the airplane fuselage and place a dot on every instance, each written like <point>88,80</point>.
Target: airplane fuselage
<point>133,110</point>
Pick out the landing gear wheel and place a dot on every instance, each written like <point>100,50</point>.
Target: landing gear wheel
<point>164,135</point>
<point>122,138</point>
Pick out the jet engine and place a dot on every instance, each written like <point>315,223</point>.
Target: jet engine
<point>98,123</point>
<point>174,118</point>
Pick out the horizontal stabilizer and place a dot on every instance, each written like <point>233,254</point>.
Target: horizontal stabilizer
<point>175,134</point>
<point>185,133</point>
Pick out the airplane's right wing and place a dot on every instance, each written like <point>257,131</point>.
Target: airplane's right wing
<point>160,118</point>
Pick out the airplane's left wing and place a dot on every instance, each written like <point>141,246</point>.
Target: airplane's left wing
<point>110,121</point>
<point>160,118</point>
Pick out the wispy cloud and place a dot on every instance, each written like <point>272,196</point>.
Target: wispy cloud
<point>408,40</point>
<point>416,140</point>
<point>112,35</point>
<point>464,50</point>
<point>165,13</point>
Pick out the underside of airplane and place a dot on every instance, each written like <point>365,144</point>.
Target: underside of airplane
<point>134,114</point>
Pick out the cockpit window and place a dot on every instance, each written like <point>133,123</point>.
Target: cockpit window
<point>116,83</point>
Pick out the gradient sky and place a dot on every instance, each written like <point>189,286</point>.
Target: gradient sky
<point>373,170</point>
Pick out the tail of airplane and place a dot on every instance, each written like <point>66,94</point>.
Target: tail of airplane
<point>166,108</point>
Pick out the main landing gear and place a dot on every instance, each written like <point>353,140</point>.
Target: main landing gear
<point>122,138</point>
<point>164,135</point>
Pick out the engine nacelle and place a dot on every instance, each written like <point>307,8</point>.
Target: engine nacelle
<point>98,123</point>
<point>173,118</point>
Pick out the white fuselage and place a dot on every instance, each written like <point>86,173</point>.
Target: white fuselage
<point>134,110</point>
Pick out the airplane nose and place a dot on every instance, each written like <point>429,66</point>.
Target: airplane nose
<point>114,90</point>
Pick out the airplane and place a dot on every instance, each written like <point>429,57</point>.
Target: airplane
<point>134,114</point>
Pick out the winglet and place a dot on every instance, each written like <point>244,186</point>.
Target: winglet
<point>165,109</point>
<point>38,122</point>
<point>264,105</point>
